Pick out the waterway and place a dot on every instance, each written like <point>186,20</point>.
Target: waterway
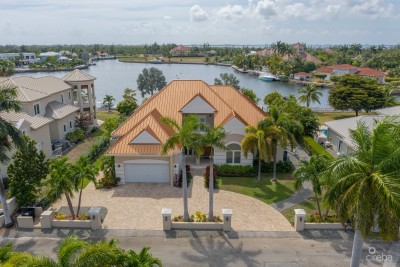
<point>114,76</point>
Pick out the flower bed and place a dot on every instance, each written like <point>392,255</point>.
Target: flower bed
<point>198,217</point>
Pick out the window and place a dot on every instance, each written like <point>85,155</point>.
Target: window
<point>202,119</point>
<point>65,128</point>
<point>69,95</point>
<point>36,109</point>
<point>24,132</point>
<point>234,154</point>
<point>62,98</point>
<point>70,124</point>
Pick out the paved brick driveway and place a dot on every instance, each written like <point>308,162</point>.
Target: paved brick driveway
<point>138,206</point>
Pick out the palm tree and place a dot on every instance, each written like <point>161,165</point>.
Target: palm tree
<point>84,171</point>
<point>6,68</point>
<point>390,99</point>
<point>61,181</point>
<point>186,137</point>
<point>214,138</point>
<point>309,94</point>
<point>364,186</point>
<point>279,129</point>
<point>143,258</point>
<point>253,141</point>
<point>312,171</point>
<point>9,135</point>
<point>108,102</point>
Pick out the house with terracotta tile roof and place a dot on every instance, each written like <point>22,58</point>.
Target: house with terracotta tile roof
<point>51,107</point>
<point>180,50</point>
<point>136,144</point>
<point>342,69</point>
<point>302,76</point>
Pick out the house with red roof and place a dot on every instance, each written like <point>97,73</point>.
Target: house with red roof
<point>180,50</point>
<point>302,76</point>
<point>342,69</point>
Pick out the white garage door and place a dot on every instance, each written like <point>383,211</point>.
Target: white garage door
<point>147,172</point>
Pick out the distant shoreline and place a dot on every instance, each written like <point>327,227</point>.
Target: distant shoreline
<point>49,70</point>
<point>165,62</point>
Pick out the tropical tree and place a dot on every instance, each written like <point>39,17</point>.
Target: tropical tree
<point>150,80</point>
<point>6,68</point>
<point>9,137</point>
<point>28,169</point>
<point>108,101</point>
<point>213,138</point>
<point>255,140</point>
<point>312,171</point>
<point>390,99</point>
<point>280,129</point>
<point>227,79</point>
<point>144,258</point>
<point>61,181</point>
<point>186,137</point>
<point>85,171</point>
<point>364,186</point>
<point>129,103</point>
<point>250,94</point>
<point>309,94</point>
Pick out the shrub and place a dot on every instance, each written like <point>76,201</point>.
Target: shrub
<point>75,136</point>
<point>314,148</point>
<point>109,178</point>
<point>236,171</point>
<point>83,216</point>
<point>281,167</point>
<point>389,79</point>
<point>178,179</point>
<point>60,216</point>
<point>320,76</point>
<point>207,176</point>
<point>335,78</point>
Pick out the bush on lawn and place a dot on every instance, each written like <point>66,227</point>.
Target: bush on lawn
<point>390,79</point>
<point>314,148</point>
<point>320,76</point>
<point>178,179</point>
<point>281,166</point>
<point>75,136</point>
<point>207,177</point>
<point>236,171</point>
<point>109,178</point>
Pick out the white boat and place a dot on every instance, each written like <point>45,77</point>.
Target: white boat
<point>266,76</point>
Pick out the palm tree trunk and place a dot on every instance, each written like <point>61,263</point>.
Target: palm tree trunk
<point>274,152</point>
<point>211,189</point>
<point>326,214</point>
<point>259,167</point>
<point>79,199</point>
<point>7,218</point>
<point>71,209</point>
<point>357,249</point>
<point>184,188</point>
<point>319,208</point>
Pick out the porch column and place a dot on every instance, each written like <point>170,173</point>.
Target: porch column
<point>80,102</point>
<point>89,90</point>
<point>93,100</point>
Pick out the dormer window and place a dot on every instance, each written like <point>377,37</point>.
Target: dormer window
<point>36,109</point>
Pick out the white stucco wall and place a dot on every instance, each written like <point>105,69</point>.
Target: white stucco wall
<point>57,127</point>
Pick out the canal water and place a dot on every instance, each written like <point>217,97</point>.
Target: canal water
<point>114,76</point>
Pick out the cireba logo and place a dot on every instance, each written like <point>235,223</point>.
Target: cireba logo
<point>374,256</point>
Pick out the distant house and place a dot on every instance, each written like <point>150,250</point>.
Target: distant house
<point>265,52</point>
<point>298,50</point>
<point>302,76</point>
<point>180,51</point>
<point>24,58</point>
<point>44,56</point>
<point>343,69</point>
<point>101,54</point>
<point>211,52</point>
<point>51,107</point>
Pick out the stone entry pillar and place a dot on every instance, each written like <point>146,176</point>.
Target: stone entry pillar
<point>299,219</point>
<point>227,217</point>
<point>95,218</point>
<point>166,217</point>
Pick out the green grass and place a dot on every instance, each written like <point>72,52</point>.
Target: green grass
<point>316,149</point>
<point>264,190</point>
<point>104,114</point>
<point>331,116</point>
<point>310,206</point>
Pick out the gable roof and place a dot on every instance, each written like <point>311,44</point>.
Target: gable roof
<point>327,70</point>
<point>35,121</point>
<point>31,89</point>
<point>343,66</point>
<point>57,110</point>
<point>370,72</point>
<point>226,100</point>
<point>78,76</point>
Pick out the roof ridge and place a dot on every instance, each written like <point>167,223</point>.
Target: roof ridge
<point>20,88</point>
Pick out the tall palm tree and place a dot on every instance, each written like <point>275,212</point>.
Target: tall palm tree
<point>186,137</point>
<point>108,101</point>
<point>143,258</point>
<point>61,181</point>
<point>390,99</point>
<point>214,138</point>
<point>253,141</point>
<point>364,186</point>
<point>309,94</point>
<point>84,171</point>
<point>280,129</point>
<point>6,67</point>
<point>312,171</point>
<point>9,136</point>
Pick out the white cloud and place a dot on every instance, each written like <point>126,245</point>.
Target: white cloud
<point>167,17</point>
<point>232,12</point>
<point>197,13</point>
<point>266,8</point>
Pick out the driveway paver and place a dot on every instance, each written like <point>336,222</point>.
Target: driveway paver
<point>138,206</point>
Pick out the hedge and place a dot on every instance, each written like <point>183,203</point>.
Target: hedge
<point>390,79</point>
<point>236,171</point>
<point>314,148</point>
<point>281,166</point>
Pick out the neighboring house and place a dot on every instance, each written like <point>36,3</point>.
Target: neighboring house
<point>302,76</point>
<point>265,52</point>
<point>343,69</point>
<point>44,56</point>
<point>137,143</point>
<point>50,106</point>
<point>101,54</point>
<point>339,132</point>
<point>24,58</point>
<point>298,50</point>
<point>180,51</point>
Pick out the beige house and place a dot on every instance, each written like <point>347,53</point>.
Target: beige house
<point>51,107</point>
<point>180,50</point>
<point>136,144</point>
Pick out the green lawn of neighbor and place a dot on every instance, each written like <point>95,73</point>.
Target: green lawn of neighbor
<point>264,190</point>
<point>104,114</point>
<point>331,116</point>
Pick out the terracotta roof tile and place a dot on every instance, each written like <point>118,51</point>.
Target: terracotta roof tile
<point>370,72</point>
<point>324,70</point>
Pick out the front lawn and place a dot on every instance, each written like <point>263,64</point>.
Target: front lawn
<point>104,114</point>
<point>331,116</point>
<point>264,190</point>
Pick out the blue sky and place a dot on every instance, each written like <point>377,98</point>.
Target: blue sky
<point>197,22</point>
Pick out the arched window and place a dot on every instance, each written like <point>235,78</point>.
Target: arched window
<point>234,154</point>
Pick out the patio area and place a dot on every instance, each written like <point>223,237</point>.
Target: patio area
<point>138,206</point>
